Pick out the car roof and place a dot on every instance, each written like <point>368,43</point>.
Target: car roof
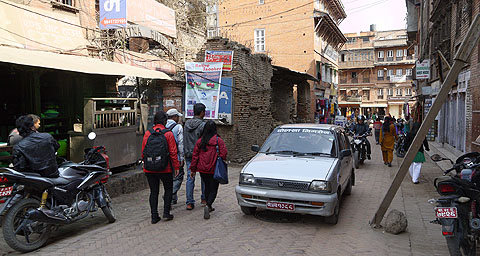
<point>312,126</point>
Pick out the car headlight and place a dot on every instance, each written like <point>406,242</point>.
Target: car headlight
<point>246,178</point>
<point>320,186</point>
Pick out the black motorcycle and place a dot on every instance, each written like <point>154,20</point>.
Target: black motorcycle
<point>458,209</point>
<point>400,145</point>
<point>34,205</point>
<point>359,147</point>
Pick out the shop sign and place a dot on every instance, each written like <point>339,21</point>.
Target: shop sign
<point>422,69</point>
<point>220,56</point>
<point>21,22</point>
<point>225,100</point>
<point>152,14</point>
<point>203,86</point>
<point>398,79</point>
<point>113,14</point>
<point>145,32</point>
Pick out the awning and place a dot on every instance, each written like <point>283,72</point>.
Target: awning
<point>349,104</point>
<point>74,63</point>
<point>373,105</point>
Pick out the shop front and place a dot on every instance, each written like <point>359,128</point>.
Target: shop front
<point>73,95</point>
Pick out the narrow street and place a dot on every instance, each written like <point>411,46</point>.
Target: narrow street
<point>229,232</point>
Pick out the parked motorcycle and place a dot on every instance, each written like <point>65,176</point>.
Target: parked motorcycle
<point>359,147</point>
<point>35,206</point>
<point>400,145</point>
<point>458,209</point>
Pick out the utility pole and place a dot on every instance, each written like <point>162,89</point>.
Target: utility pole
<point>466,48</point>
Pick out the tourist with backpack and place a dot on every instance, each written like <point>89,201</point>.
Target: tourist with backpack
<point>204,159</point>
<point>160,163</point>
<point>177,130</point>
<point>193,130</point>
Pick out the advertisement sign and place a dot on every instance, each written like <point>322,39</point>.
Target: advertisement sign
<point>225,100</point>
<point>154,15</point>
<point>220,56</point>
<point>113,14</point>
<point>27,27</point>
<point>398,79</point>
<point>203,86</point>
<point>422,70</point>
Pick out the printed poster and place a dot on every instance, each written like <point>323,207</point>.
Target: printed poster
<point>203,86</point>
<point>220,56</point>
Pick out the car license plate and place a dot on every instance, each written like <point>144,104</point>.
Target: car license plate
<point>281,206</point>
<point>446,212</point>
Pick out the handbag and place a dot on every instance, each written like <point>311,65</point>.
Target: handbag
<point>221,169</point>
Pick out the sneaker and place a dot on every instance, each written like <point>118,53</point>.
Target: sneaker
<point>190,207</point>
<point>389,164</point>
<point>206,213</point>
<point>211,209</point>
<point>369,158</point>
<point>155,219</point>
<point>416,182</point>
<point>167,216</point>
<point>203,202</point>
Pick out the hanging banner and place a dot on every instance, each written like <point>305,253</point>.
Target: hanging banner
<point>225,100</point>
<point>113,14</point>
<point>220,56</point>
<point>203,86</point>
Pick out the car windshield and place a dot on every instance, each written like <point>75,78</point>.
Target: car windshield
<point>300,141</point>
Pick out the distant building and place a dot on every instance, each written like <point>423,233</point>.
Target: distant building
<point>376,74</point>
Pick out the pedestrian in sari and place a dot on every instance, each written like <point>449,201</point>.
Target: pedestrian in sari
<point>388,135</point>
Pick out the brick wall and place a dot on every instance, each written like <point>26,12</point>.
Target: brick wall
<point>473,94</point>
<point>252,99</point>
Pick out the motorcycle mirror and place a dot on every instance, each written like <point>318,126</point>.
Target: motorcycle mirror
<point>92,136</point>
<point>436,158</point>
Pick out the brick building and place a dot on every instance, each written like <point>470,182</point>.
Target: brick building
<point>439,26</point>
<point>300,35</point>
<point>376,73</point>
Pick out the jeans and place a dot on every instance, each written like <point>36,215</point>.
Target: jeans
<point>369,148</point>
<point>191,184</point>
<point>377,135</point>
<point>211,188</point>
<point>154,184</point>
<point>177,183</point>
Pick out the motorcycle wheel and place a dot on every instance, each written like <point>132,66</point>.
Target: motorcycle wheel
<point>457,249</point>
<point>356,159</point>
<point>108,209</point>
<point>24,235</point>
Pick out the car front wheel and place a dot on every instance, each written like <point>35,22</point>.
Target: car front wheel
<point>248,210</point>
<point>333,220</point>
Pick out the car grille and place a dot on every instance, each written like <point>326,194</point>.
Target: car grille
<point>283,184</point>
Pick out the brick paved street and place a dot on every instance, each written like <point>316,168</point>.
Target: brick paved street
<point>229,232</point>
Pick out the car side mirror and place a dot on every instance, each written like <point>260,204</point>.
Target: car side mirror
<point>345,153</point>
<point>256,148</point>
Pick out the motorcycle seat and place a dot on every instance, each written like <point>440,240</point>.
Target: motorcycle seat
<point>58,181</point>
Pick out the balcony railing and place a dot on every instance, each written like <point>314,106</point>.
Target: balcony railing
<point>380,59</point>
<point>380,78</point>
<point>389,58</point>
<point>380,97</point>
<point>354,98</point>
<point>410,57</point>
<point>399,58</point>
<point>354,80</point>
<point>409,77</point>
<point>366,80</point>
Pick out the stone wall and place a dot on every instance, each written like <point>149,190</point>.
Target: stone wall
<point>252,99</point>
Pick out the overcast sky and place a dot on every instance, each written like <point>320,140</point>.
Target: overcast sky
<point>387,14</point>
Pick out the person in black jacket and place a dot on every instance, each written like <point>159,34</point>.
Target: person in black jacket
<point>36,151</point>
<point>361,128</point>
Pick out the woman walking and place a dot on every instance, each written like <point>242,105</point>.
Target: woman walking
<point>155,146</point>
<point>416,166</point>
<point>205,154</point>
<point>388,135</point>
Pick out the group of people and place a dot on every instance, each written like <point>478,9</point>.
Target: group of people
<point>195,146</point>
<point>386,134</point>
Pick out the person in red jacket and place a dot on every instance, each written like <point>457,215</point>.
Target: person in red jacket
<point>204,159</point>
<point>166,176</point>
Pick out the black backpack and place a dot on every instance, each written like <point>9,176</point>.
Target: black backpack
<point>156,154</point>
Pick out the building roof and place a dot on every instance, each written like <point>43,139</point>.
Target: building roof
<point>284,73</point>
<point>328,29</point>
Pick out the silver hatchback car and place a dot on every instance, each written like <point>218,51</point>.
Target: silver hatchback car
<point>301,168</point>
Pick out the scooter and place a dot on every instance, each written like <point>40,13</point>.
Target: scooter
<point>35,205</point>
<point>359,147</point>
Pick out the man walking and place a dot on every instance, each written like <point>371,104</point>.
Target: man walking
<point>192,132</point>
<point>177,130</point>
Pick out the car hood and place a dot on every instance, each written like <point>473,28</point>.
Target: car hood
<point>290,168</point>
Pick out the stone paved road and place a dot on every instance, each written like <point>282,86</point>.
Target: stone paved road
<point>229,232</point>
